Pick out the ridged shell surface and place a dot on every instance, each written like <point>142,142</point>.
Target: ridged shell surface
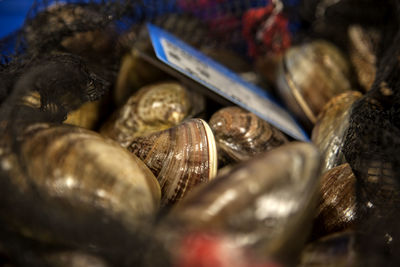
<point>336,210</point>
<point>153,108</point>
<point>83,169</point>
<point>181,157</point>
<point>241,134</point>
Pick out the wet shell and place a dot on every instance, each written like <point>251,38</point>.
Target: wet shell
<point>336,250</point>
<point>330,128</point>
<point>81,168</point>
<point>266,203</point>
<point>180,157</point>
<point>240,135</point>
<point>153,108</point>
<point>363,45</point>
<point>309,76</point>
<point>336,210</point>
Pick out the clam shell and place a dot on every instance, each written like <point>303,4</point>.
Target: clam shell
<point>362,45</point>
<point>310,75</point>
<point>330,128</point>
<point>81,168</point>
<point>240,135</point>
<point>265,204</point>
<point>153,108</point>
<point>180,157</point>
<point>336,210</point>
<point>336,250</point>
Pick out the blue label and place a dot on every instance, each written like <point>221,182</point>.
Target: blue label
<point>222,81</point>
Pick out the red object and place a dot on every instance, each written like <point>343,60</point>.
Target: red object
<point>211,250</point>
<point>272,28</point>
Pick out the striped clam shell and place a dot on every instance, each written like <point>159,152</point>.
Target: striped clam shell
<point>81,168</point>
<point>336,210</point>
<point>153,108</point>
<point>240,134</point>
<point>180,157</point>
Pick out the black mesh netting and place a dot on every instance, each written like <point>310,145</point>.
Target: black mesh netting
<point>43,58</point>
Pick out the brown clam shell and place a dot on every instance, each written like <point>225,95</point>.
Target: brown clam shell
<point>81,168</point>
<point>329,130</point>
<point>153,108</point>
<point>336,210</point>
<point>240,135</point>
<point>180,157</point>
<point>310,75</point>
<point>265,203</point>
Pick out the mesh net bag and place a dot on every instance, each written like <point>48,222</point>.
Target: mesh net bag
<point>45,75</point>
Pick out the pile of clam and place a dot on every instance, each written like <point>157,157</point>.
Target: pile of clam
<point>228,181</point>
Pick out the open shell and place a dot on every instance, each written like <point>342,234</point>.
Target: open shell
<point>180,157</point>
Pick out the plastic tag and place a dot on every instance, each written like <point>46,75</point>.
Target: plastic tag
<point>222,81</point>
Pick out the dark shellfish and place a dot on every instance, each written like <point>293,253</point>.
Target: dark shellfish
<point>180,157</point>
<point>265,204</point>
<point>310,75</point>
<point>330,128</point>
<point>240,134</point>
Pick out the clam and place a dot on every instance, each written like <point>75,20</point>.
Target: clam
<point>336,250</point>
<point>265,204</point>
<point>181,157</point>
<point>153,108</point>
<point>330,129</point>
<point>77,173</point>
<point>240,134</point>
<point>336,210</point>
<point>363,44</point>
<point>309,76</point>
